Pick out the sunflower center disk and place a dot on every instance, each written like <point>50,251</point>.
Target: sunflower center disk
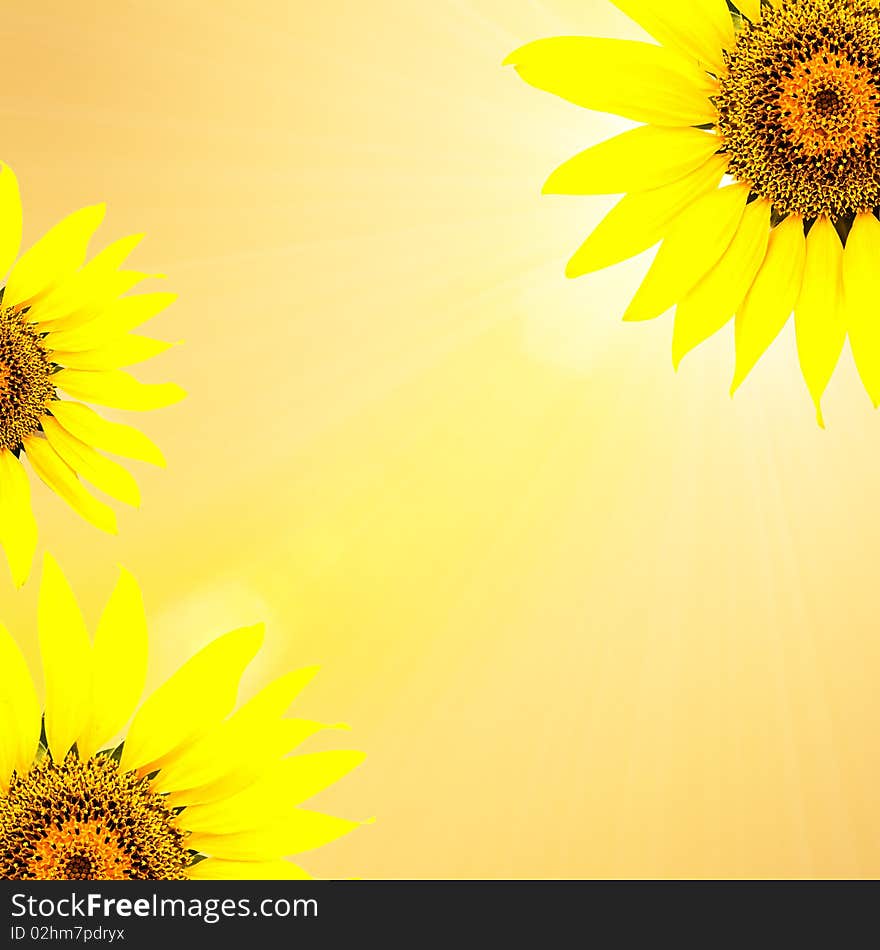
<point>25,380</point>
<point>799,108</point>
<point>86,821</point>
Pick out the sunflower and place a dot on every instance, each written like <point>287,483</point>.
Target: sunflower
<point>192,792</point>
<point>65,328</point>
<point>756,164</point>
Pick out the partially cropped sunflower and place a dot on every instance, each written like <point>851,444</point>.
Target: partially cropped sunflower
<point>194,790</point>
<point>779,104</point>
<point>65,328</point>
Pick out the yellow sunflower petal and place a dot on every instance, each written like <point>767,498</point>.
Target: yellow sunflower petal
<point>299,831</point>
<point>275,699</point>
<point>713,301</point>
<point>701,29</point>
<point>19,712</point>
<point>213,869</point>
<point>83,298</point>
<point>116,354</point>
<point>109,476</point>
<point>267,747</point>
<point>18,528</point>
<point>113,256</point>
<point>57,255</point>
<point>289,783</point>
<point>61,478</point>
<point>205,687</point>
<point>114,437</point>
<point>233,741</point>
<point>10,218</point>
<point>861,288</point>
<point>119,662</point>
<point>67,662</point>
<point>750,9</point>
<point>818,319</point>
<point>635,80</point>
<point>772,297</point>
<point>695,243</point>
<point>619,165</point>
<point>117,389</point>
<point>121,317</point>
<point>642,219</point>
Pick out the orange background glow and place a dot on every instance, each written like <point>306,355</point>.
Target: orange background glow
<point>589,617</point>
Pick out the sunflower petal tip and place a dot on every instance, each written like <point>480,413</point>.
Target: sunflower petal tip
<point>257,632</point>
<point>98,210</point>
<point>550,186</point>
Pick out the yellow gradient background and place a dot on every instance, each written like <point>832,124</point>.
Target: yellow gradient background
<point>589,617</point>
